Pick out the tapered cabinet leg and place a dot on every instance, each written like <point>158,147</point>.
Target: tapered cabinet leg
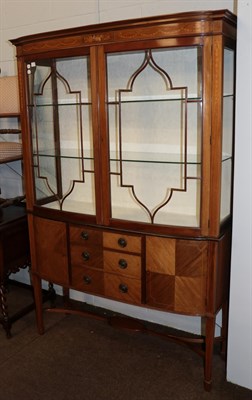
<point>223,350</point>
<point>209,347</point>
<point>36,281</point>
<point>66,297</point>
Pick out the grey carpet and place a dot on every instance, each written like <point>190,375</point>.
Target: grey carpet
<point>84,359</point>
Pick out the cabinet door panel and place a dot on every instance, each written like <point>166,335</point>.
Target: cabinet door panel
<point>191,258</point>
<point>60,106</point>
<point>154,103</point>
<point>51,250</point>
<point>191,275</point>
<point>160,255</point>
<point>160,290</point>
<point>176,276</point>
<point>190,295</point>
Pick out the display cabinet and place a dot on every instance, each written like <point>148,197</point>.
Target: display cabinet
<point>128,162</point>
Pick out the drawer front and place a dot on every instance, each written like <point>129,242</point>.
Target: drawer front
<point>122,242</point>
<point>81,235</point>
<point>86,256</point>
<point>87,280</point>
<point>122,288</point>
<point>122,263</point>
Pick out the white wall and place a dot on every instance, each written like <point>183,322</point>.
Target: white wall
<point>240,321</point>
<point>22,17</point>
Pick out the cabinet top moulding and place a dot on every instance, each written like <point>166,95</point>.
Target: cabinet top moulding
<point>218,22</point>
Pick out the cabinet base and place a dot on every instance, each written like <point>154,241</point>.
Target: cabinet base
<point>196,343</point>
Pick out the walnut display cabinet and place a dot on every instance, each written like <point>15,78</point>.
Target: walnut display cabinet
<point>128,162</point>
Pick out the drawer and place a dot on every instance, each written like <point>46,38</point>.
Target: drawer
<point>85,236</point>
<point>122,288</point>
<point>86,256</point>
<point>122,263</point>
<point>121,242</point>
<point>87,280</point>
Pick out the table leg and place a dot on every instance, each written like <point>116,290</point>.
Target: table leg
<point>4,309</point>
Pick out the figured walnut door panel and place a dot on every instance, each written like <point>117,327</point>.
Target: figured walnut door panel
<point>51,250</point>
<point>176,274</point>
<point>190,279</point>
<point>160,290</point>
<point>160,255</point>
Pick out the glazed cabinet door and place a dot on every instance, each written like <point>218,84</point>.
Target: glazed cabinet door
<point>60,109</point>
<point>154,108</point>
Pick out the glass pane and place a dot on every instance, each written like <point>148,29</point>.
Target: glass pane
<point>227,134</point>
<point>154,108</point>
<point>60,107</point>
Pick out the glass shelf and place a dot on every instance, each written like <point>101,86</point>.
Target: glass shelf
<point>226,157</point>
<point>60,103</point>
<point>161,158</point>
<point>114,101</point>
<point>65,153</point>
<point>146,99</point>
<point>129,156</point>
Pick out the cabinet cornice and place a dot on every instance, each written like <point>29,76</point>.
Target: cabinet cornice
<point>157,27</point>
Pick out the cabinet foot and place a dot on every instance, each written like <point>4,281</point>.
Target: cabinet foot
<point>207,386</point>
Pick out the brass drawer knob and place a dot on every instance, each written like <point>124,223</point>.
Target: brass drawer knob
<point>85,255</point>
<point>123,288</point>
<point>87,279</point>
<point>122,242</point>
<point>84,235</point>
<point>122,263</point>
